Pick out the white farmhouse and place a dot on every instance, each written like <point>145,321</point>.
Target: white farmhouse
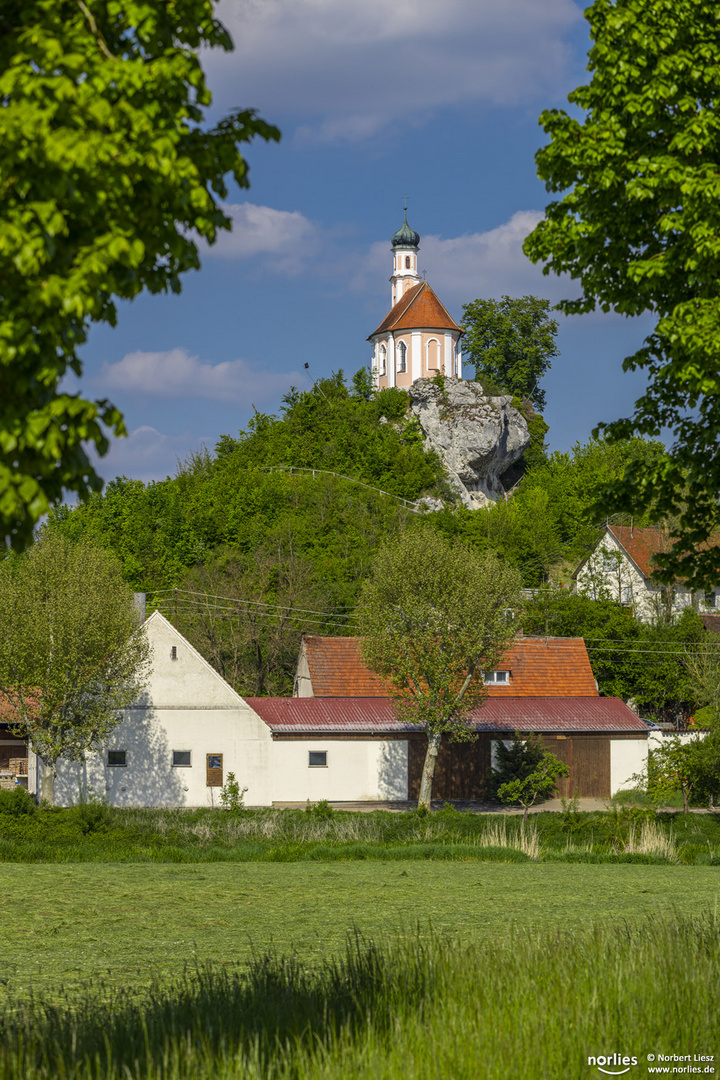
<point>621,568</point>
<point>340,739</point>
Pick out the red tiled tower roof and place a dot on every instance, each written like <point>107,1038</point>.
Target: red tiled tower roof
<point>539,667</point>
<point>418,309</point>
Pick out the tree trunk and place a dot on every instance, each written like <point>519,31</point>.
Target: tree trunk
<point>685,800</point>
<point>48,782</point>
<point>433,749</point>
<point>526,811</point>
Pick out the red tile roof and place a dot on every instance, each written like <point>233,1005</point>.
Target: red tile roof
<point>376,716</point>
<point>642,544</point>
<point>418,309</point>
<point>711,623</point>
<point>539,667</point>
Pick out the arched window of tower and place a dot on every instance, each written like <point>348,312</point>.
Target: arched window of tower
<point>407,262</point>
<point>402,356</point>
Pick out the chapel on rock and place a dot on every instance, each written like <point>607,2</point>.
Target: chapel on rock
<point>418,338</point>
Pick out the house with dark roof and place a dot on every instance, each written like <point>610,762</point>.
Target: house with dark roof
<point>621,568</point>
<point>541,685</point>
<point>418,338</point>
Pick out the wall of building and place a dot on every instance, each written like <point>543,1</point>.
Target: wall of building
<point>627,757</point>
<point>610,574</point>
<point>149,737</point>
<point>357,770</point>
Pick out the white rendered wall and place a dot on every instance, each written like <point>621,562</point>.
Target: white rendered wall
<point>186,706</point>
<point>627,757</point>
<point>149,737</point>
<point>357,770</point>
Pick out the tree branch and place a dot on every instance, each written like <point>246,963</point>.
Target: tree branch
<point>94,30</point>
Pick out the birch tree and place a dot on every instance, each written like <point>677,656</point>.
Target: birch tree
<point>433,616</point>
<point>72,654</point>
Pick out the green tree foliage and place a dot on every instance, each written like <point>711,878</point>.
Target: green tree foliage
<point>71,652</point>
<point>246,614</point>
<point>107,171</point>
<point>511,342</point>
<point>237,524</point>
<point>691,766</point>
<point>644,664</point>
<point>524,773</point>
<point>639,229</point>
<point>551,517</point>
<point>432,616</point>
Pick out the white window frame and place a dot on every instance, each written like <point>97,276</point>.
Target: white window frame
<point>182,764</point>
<point>316,764</point>
<point>382,359</point>
<point>402,350</point>
<point>492,678</point>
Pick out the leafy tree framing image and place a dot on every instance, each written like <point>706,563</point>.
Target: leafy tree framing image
<point>638,228</point>
<point>107,174</point>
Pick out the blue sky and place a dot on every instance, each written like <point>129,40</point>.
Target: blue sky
<point>436,101</point>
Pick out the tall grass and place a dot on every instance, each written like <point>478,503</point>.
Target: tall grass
<point>427,1008</point>
<point>94,832</point>
<point>650,840</point>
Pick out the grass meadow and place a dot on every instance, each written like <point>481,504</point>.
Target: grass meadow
<point>317,944</point>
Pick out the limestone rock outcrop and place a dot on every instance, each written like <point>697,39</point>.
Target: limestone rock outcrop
<point>478,438</point>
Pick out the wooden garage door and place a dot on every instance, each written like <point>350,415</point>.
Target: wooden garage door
<point>460,772</point>
<point>588,757</point>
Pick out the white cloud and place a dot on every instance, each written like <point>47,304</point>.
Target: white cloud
<point>345,69</point>
<point>176,373</point>
<point>148,454</point>
<point>489,264</point>
<point>262,230</point>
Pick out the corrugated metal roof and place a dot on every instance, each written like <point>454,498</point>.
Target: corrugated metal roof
<point>376,715</point>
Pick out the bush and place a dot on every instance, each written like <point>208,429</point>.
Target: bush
<point>17,802</point>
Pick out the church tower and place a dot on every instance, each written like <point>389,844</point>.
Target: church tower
<point>405,244</point>
<point>418,338</point>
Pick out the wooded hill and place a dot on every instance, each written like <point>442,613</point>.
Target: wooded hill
<point>251,554</point>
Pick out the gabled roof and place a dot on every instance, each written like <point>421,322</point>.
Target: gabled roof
<point>640,544</point>
<point>376,716</point>
<point>418,309</point>
<point>539,667</point>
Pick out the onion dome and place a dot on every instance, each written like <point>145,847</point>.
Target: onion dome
<point>405,236</point>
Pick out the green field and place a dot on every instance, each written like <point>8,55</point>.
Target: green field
<point>125,924</point>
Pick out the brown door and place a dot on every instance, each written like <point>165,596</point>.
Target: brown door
<point>561,747</point>
<point>214,770</point>
<point>590,769</point>
<point>460,772</point>
<point>588,757</point>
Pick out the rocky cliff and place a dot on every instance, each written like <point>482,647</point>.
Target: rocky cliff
<point>478,438</point>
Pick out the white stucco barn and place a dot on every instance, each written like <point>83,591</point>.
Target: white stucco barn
<point>178,744</point>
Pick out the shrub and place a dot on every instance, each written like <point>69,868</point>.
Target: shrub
<point>16,802</point>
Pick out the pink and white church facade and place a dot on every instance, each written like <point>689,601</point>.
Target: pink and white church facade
<point>418,338</point>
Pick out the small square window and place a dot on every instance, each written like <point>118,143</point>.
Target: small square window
<point>496,678</point>
<point>181,758</point>
<point>317,759</point>
<point>117,758</point>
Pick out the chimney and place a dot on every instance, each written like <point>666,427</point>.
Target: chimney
<point>139,604</point>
